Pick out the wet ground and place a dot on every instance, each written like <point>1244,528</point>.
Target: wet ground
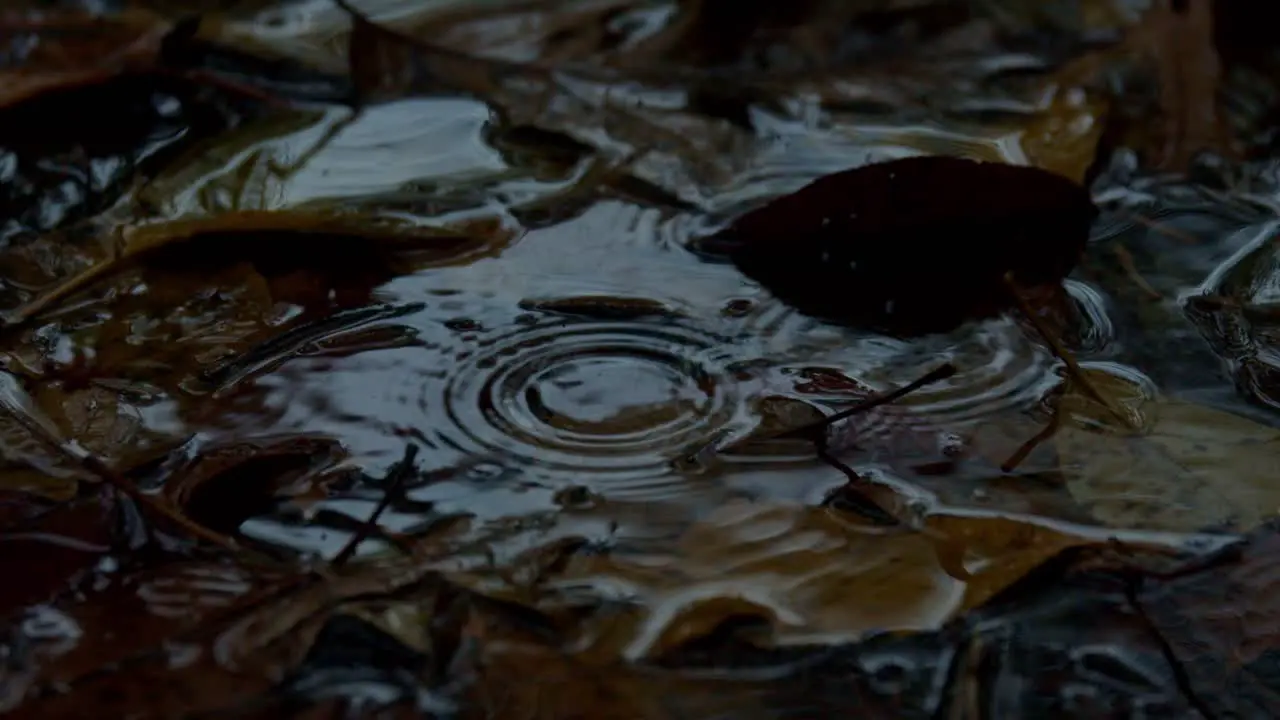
<point>469,238</point>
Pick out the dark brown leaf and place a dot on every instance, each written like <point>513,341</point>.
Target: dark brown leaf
<point>227,485</point>
<point>44,555</point>
<point>915,245</point>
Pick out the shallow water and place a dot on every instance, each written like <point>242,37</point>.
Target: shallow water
<point>586,373</point>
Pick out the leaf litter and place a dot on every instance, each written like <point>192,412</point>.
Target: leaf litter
<point>170,493</point>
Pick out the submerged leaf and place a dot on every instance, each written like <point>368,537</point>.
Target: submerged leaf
<point>352,244</point>
<point>809,574</point>
<point>1222,624</point>
<point>915,245</point>
<point>1188,468</point>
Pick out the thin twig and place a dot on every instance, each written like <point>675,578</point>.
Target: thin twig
<point>857,485</point>
<point>99,468</point>
<point>813,431</point>
<point>1131,269</point>
<point>1163,229</point>
<point>1074,371</point>
<point>1027,447</point>
<point>395,479</point>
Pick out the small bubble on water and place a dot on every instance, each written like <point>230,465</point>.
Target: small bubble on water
<point>486,471</point>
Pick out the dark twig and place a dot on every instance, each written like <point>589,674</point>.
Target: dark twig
<point>857,485</point>
<point>1027,447</point>
<point>396,477</point>
<point>814,432</point>
<point>1130,267</point>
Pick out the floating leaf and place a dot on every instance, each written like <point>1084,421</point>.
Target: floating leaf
<point>913,245</point>
<point>1064,136</point>
<point>1187,468</point>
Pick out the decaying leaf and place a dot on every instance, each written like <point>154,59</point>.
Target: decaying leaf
<point>69,48</point>
<point>1064,136</point>
<point>98,417</point>
<point>913,245</point>
<point>1188,468</point>
<point>1222,625</point>
<point>301,238</point>
<point>52,549</point>
<point>225,485</point>
<point>812,574</point>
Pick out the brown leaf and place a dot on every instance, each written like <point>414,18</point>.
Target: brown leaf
<point>1063,137</point>
<point>914,245</point>
<point>47,554</point>
<point>1181,42</point>
<point>1186,468</point>
<point>811,574</point>
<point>75,48</point>
<point>343,243</point>
<point>225,485</point>
<point>385,63</point>
<point>1222,625</point>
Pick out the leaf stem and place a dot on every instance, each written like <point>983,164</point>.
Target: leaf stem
<point>1074,371</point>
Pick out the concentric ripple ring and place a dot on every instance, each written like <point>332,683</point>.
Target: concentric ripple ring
<point>617,398</point>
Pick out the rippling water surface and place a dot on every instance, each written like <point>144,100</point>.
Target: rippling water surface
<point>587,372</point>
<point>596,347</point>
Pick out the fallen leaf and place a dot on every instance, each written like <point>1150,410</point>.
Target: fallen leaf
<point>1064,641</point>
<point>49,553</point>
<point>225,485</point>
<point>1222,624</point>
<point>914,245</point>
<point>352,243</point>
<point>1186,467</point>
<point>812,574</point>
<point>1064,135</point>
<point>97,417</point>
<point>121,647</point>
<point>68,48</point>
<point>1180,38</point>
<point>1235,310</point>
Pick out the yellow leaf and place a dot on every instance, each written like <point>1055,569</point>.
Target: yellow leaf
<point>1188,468</point>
